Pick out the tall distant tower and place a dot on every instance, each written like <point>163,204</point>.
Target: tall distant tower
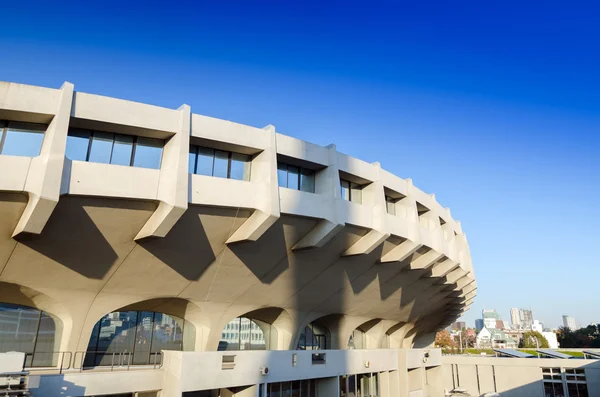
<point>514,318</point>
<point>569,322</point>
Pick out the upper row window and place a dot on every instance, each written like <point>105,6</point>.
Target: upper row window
<point>351,191</point>
<point>295,178</point>
<point>109,148</point>
<point>390,205</point>
<point>219,163</point>
<point>21,139</point>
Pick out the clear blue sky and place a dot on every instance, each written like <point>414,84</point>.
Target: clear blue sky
<point>492,106</point>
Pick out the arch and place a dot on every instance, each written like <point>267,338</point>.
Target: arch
<point>321,333</point>
<point>138,332</point>
<point>261,329</point>
<point>361,337</point>
<point>395,336</point>
<point>22,307</point>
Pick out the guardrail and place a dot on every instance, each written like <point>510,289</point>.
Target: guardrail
<point>30,361</point>
<point>119,360</point>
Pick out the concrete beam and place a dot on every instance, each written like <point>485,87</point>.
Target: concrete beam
<point>45,172</point>
<point>173,183</point>
<point>327,184</point>
<point>264,173</point>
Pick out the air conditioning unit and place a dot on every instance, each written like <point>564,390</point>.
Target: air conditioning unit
<point>264,371</point>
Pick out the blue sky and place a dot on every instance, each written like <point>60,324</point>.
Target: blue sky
<point>495,108</point>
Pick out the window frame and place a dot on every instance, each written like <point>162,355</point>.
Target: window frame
<point>230,156</point>
<point>352,186</point>
<point>115,135</point>
<point>302,172</point>
<point>5,127</point>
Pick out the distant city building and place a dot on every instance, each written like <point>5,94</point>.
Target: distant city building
<point>537,326</point>
<point>490,316</point>
<point>521,318</point>
<point>515,321</point>
<point>479,324</point>
<point>569,322</point>
<point>458,326</point>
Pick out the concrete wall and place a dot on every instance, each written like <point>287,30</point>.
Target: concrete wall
<point>511,377</point>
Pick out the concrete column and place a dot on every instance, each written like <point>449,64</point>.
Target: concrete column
<point>327,183</point>
<point>264,174</point>
<point>45,172</point>
<point>173,184</point>
<point>373,195</point>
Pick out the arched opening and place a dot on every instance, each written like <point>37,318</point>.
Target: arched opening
<point>137,338</point>
<point>31,331</point>
<point>243,333</point>
<point>359,338</point>
<point>315,336</point>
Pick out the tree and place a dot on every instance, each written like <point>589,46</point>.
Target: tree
<point>533,339</point>
<point>444,340</point>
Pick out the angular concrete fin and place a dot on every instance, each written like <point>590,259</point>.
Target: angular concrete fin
<point>401,252</point>
<point>367,243</point>
<point>254,227</point>
<point>443,268</point>
<point>44,177</point>
<point>172,192</point>
<point>425,260</point>
<point>319,235</point>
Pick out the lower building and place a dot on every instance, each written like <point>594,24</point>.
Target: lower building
<point>493,338</point>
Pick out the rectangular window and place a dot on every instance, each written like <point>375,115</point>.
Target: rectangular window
<point>296,178</point>
<point>148,153</point>
<point>390,205</point>
<point>78,143</point>
<point>351,191</point>
<point>21,139</point>
<point>219,163</point>
<point>118,149</point>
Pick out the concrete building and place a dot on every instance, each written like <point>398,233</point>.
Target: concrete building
<point>458,325</point>
<point>521,318</point>
<point>569,322</point>
<point>150,250</point>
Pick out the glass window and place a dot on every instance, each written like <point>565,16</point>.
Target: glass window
<point>78,143</point>
<point>240,167</point>
<point>293,177</point>
<point>390,204</point>
<point>221,164</point>
<point>30,331</point>
<point>282,175</point>
<point>295,389</point>
<point>192,159</point>
<point>101,147</point>
<point>23,139</point>
<point>122,150</point>
<point>356,193</point>
<point>345,185</point>
<point>135,337</point>
<point>304,388</point>
<point>204,164</point>
<point>307,180</point>
<point>148,153</point>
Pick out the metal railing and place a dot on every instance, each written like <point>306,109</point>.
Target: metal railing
<point>63,361</point>
<point>118,360</point>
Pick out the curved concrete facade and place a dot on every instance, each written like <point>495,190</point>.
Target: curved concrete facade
<point>81,239</point>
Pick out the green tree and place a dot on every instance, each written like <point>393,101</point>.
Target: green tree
<point>533,339</point>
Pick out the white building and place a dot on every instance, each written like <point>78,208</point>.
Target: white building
<point>569,322</point>
<point>492,338</point>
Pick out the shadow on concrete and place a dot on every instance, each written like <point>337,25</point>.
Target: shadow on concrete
<point>187,248</point>
<point>72,239</point>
